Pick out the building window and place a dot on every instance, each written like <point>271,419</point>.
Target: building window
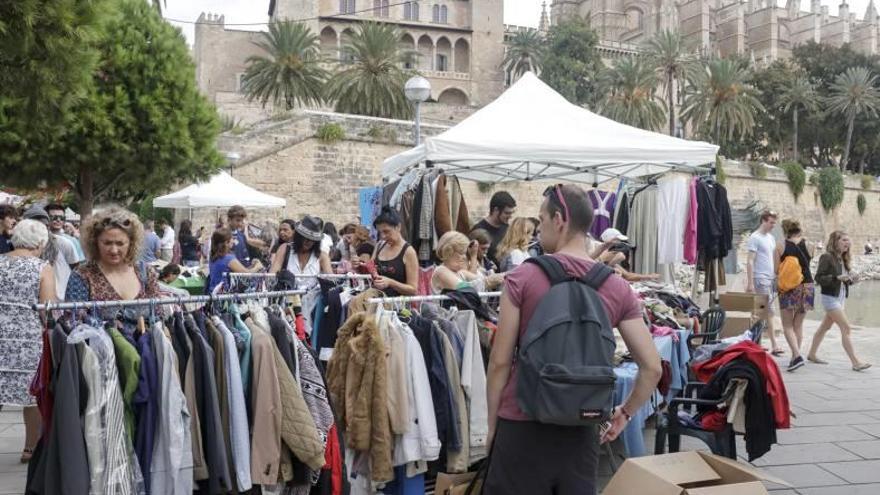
<point>442,63</point>
<point>347,6</point>
<point>385,8</point>
<point>435,17</point>
<point>443,15</point>
<point>411,11</point>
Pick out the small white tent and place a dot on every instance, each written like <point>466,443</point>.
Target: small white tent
<point>532,133</point>
<point>221,191</point>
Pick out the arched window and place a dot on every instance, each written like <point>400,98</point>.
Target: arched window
<point>377,8</point>
<point>352,7</point>
<point>385,8</point>
<point>415,11</point>
<point>411,11</point>
<point>435,17</point>
<point>443,14</point>
<point>634,19</point>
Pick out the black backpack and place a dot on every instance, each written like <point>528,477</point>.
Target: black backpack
<point>565,357</point>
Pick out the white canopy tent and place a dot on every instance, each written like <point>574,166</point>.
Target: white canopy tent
<point>221,191</point>
<point>531,132</point>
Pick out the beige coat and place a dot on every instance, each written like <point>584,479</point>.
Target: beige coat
<point>298,428</point>
<point>266,407</point>
<point>395,356</point>
<point>358,384</point>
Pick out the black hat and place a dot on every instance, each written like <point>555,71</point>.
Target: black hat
<point>312,228</point>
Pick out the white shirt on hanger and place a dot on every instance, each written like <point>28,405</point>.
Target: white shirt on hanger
<point>673,201</point>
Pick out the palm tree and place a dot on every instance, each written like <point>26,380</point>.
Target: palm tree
<point>853,93</point>
<point>718,97</point>
<point>372,82</point>
<point>290,73</point>
<point>799,93</point>
<point>629,89</point>
<point>668,53</point>
<point>158,4</point>
<point>524,53</point>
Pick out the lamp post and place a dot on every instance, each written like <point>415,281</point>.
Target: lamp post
<point>232,158</point>
<point>417,90</point>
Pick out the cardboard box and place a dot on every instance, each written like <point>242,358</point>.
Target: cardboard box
<point>687,473</point>
<point>455,484</point>
<point>737,322</point>
<point>755,304</point>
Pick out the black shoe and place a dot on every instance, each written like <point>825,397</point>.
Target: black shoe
<point>796,363</point>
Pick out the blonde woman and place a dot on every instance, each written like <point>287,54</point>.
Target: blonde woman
<point>514,248</point>
<point>835,279</point>
<point>454,250</point>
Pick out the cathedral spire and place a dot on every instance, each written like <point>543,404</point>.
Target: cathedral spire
<point>793,7</point>
<point>544,24</point>
<point>871,12</point>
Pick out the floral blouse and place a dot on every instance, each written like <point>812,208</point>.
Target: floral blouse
<point>88,283</point>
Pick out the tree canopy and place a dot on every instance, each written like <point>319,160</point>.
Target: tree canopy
<point>571,64</point>
<point>141,124</point>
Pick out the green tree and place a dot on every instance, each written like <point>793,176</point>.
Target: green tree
<point>853,93</point>
<point>372,82</point>
<point>143,126</point>
<point>290,73</point>
<point>47,58</point>
<point>772,131</point>
<point>572,64</point>
<point>159,4</point>
<point>524,53</point>
<point>629,89</point>
<point>799,94</point>
<point>720,102</point>
<point>673,62</point>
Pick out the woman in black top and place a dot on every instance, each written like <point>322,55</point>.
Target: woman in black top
<point>796,303</point>
<point>189,245</point>
<point>396,261</point>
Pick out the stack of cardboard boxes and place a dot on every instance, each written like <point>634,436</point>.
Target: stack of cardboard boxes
<point>742,311</point>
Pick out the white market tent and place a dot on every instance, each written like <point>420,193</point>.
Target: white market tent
<point>531,132</point>
<point>221,191</point>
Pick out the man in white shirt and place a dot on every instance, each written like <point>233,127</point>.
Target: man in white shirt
<point>761,269</point>
<point>167,244</point>
<point>56,226</point>
<point>59,252</point>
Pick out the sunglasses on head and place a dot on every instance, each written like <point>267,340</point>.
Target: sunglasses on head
<point>116,223</point>
<point>554,193</point>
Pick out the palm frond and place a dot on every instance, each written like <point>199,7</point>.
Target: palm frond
<point>629,89</point>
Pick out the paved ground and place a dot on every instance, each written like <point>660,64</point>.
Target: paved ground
<point>833,448</point>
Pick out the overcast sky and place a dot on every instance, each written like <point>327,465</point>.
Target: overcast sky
<point>519,12</point>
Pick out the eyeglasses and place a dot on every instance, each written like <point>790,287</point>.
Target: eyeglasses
<point>59,218</point>
<point>555,193</point>
<point>116,223</point>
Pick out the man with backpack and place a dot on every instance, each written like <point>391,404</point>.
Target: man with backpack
<point>551,377</point>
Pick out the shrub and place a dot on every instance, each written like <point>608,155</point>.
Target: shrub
<point>485,187</point>
<point>867,182</point>
<point>758,170</point>
<point>720,175</point>
<point>831,188</point>
<point>330,133</point>
<point>797,178</point>
<point>861,203</point>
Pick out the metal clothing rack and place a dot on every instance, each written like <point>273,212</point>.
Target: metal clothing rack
<point>324,276</point>
<point>407,299</point>
<point>165,300</point>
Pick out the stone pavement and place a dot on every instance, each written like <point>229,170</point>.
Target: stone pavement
<point>833,448</point>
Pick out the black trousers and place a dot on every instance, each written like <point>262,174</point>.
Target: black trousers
<point>531,458</point>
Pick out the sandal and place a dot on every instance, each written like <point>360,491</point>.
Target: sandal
<point>26,455</point>
<point>777,352</point>
<point>862,367</point>
<point>816,360</point>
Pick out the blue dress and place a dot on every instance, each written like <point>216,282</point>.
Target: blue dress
<point>218,269</point>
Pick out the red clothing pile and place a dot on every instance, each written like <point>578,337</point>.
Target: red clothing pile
<point>760,358</point>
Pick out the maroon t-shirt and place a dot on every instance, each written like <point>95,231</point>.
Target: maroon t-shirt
<point>525,287</point>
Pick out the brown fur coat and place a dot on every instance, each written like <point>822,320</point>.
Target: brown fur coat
<point>358,384</point>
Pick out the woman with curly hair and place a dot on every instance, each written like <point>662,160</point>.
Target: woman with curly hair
<point>112,239</point>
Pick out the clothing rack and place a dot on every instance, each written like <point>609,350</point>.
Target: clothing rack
<point>160,301</point>
<point>407,299</point>
<point>324,276</point>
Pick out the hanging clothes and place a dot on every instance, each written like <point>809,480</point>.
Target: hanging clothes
<point>673,200</point>
<point>604,203</point>
<point>643,230</point>
<point>690,230</point>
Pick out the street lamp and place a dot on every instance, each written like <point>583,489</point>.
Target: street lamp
<point>232,158</point>
<point>417,90</point>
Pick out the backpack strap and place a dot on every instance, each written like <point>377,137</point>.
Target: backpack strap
<point>597,275</point>
<point>554,270</point>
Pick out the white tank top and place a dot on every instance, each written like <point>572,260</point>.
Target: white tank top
<point>313,267</point>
